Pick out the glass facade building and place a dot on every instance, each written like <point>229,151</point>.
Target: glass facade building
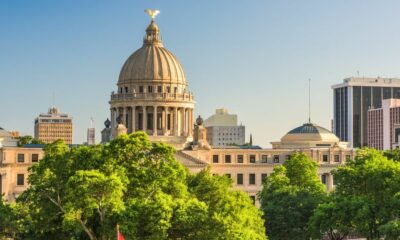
<point>351,101</point>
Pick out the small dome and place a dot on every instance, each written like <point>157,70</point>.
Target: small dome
<point>310,132</point>
<point>152,62</point>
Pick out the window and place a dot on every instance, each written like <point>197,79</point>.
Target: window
<point>21,157</point>
<point>20,179</point>
<point>141,89</point>
<point>264,158</point>
<point>252,158</point>
<point>323,179</point>
<point>263,177</point>
<point>150,89</point>
<point>215,158</point>
<point>159,89</point>
<point>252,179</point>
<point>126,89</point>
<point>287,157</point>
<point>227,158</point>
<point>228,175</point>
<point>337,158</point>
<point>239,178</point>
<point>175,89</point>
<point>240,158</point>
<point>168,89</point>
<point>325,158</point>
<point>276,158</point>
<point>35,157</point>
<point>253,199</point>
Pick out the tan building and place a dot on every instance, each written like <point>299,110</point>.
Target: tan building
<point>14,164</point>
<point>153,94</point>
<point>223,129</point>
<point>53,125</point>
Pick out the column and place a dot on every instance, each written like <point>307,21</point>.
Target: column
<point>154,120</point>
<point>164,120</point>
<point>124,117</point>
<point>330,181</point>
<point>112,110</point>
<point>144,119</point>
<point>133,119</point>
<point>175,121</point>
<point>190,122</point>
<point>183,122</point>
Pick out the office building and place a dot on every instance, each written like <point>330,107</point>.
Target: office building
<point>53,125</point>
<point>223,129</point>
<point>351,101</point>
<point>383,125</point>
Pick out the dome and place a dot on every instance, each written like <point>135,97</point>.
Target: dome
<point>152,62</point>
<point>310,132</point>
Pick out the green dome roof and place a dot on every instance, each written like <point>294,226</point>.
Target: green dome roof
<point>308,128</point>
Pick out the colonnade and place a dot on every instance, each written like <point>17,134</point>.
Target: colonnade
<point>155,120</point>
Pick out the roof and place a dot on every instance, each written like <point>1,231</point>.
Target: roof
<point>309,128</point>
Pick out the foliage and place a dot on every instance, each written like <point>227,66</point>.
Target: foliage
<point>23,140</point>
<point>289,196</point>
<point>374,181</point>
<point>84,192</point>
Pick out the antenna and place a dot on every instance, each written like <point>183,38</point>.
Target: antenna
<point>309,100</point>
<point>358,73</point>
<point>91,122</point>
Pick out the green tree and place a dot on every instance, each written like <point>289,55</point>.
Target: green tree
<point>84,192</point>
<point>335,218</point>
<point>23,140</point>
<point>289,197</point>
<point>374,181</point>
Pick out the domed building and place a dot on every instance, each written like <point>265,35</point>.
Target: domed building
<point>308,135</point>
<point>153,93</point>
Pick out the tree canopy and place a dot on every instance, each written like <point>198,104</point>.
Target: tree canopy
<point>84,192</point>
<point>289,197</point>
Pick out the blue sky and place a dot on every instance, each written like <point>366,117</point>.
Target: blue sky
<point>252,57</point>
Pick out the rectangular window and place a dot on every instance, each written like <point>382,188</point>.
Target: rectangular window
<point>159,89</point>
<point>175,89</point>
<point>263,177</point>
<point>252,179</point>
<point>20,179</point>
<point>126,89</point>
<point>240,158</point>
<point>227,158</point>
<point>323,179</point>
<point>276,158</point>
<point>337,158</point>
<point>215,158</point>
<point>35,157</point>
<point>252,158</point>
<point>253,199</point>
<point>140,89</point>
<point>239,179</point>
<point>325,158</point>
<point>21,157</point>
<point>168,89</point>
<point>150,89</point>
<point>264,158</point>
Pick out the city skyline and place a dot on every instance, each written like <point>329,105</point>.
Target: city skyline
<point>78,57</point>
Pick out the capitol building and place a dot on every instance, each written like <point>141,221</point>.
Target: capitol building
<point>153,96</point>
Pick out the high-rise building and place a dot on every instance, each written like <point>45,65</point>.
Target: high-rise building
<point>383,123</point>
<point>351,101</point>
<point>91,134</point>
<point>223,129</point>
<point>53,125</point>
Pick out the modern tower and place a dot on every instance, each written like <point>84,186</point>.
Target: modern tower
<point>152,94</point>
<point>52,126</point>
<point>351,101</point>
<point>91,134</point>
